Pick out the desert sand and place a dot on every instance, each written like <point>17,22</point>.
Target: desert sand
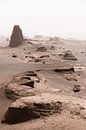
<point>59,66</point>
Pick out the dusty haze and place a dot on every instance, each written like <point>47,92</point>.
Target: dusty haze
<point>66,18</point>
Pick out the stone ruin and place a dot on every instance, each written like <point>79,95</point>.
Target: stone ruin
<point>16,37</point>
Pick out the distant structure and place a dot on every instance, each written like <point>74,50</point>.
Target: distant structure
<point>16,37</point>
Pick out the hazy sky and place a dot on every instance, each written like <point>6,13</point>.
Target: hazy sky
<point>65,18</point>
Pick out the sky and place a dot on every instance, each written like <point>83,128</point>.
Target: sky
<point>63,18</point>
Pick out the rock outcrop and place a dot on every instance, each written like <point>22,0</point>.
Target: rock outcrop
<point>45,104</point>
<point>76,88</point>
<point>41,49</point>
<point>64,68</point>
<point>69,56</point>
<point>24,84</point>
<point>15,91</point>
<point>21,85</point>
<point>16,37</point>
<point>31,108</point>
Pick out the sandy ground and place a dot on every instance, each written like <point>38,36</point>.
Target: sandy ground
<point>9,66</point>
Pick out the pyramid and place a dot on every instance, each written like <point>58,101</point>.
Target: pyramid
<point>16,37</point>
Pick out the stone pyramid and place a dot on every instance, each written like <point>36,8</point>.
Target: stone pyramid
<point>16,37</point>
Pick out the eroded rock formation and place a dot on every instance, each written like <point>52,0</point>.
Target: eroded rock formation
<point>69,56</point>
<point>31,108</point>
<point>45,104</point>
<point>21,85</point>
<point>41,49</point>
